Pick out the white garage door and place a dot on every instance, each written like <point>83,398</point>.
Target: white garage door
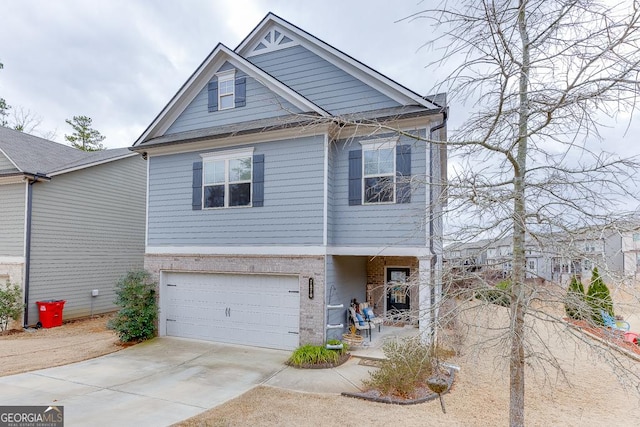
<point>255,310</point>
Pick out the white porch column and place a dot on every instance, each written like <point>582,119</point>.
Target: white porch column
<point>425,309</point>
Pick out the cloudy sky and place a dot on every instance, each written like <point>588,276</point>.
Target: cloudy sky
<point>120,61</point>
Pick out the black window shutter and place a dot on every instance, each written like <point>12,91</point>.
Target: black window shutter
<point>241,92</point>
<point>258,180</point>
<point>403,174</point>
<point>213,95</point>
<point>196,202</point>
<point>355,177</point>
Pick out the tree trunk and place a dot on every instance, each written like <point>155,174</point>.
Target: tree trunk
<point>518,295</point>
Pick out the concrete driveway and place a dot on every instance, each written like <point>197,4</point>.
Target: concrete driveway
<point>155,383</point>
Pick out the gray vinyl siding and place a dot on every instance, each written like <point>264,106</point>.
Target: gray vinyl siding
<point>293,203</point>
<point>87,232</point>
<point>378,225</point>
<point>6,165</point>
<point>261,104</point>
<point>12,214</point>
<point>320,81</point>
<point>346,279</point>
<point>613,252</point>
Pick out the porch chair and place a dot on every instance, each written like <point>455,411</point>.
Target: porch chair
<point>369,316</point>
<point>613,324</point>
<point>358,321</point>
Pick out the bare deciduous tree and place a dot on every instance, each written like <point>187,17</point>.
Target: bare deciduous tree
<point>540,73</point>
<point>25,120</point>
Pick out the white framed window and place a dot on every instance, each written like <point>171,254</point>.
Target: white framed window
<point>226,90</point>
<point>636,237</point>
<point>637,259</point>
<point>227,179</point>
<point>379,171</point>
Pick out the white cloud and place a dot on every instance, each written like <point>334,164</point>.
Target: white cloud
<point>121,61</point>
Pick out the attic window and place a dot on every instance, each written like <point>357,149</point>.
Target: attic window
<point>274,39</point>
<point>226,92</point>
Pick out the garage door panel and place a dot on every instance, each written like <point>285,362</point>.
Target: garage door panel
<point>260,310</point>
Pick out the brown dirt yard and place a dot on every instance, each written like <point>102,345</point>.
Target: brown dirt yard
<point>588,393</point>
<point>43,348</point>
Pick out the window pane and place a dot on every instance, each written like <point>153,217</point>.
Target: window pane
<point>239,194</point>
<point>226,87</point>
<point>214,172</point>
<point>379,162</point>
<point>370,162</point>
<point>226,101</point>
<point>240,169</point>
<point>378,189</point>
<point>385,161</point>
<point>214,196</point>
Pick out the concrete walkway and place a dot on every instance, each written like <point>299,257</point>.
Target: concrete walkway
<point>166,380</point>
<point>156,383</point>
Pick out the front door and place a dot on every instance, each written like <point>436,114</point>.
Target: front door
<point>398,289</point>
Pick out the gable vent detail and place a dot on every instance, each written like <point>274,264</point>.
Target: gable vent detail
<point>272,40</point>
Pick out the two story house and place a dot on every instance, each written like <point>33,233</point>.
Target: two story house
<point>71,222</point>
<point>286,178</point>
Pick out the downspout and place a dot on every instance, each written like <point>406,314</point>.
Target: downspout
<point>27,244</point>
<point>433,199</point>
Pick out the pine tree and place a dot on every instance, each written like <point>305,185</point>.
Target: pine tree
<point>575,303</point>
<point>598,297</point>
<point>84,137</point>
<point>4,107</point>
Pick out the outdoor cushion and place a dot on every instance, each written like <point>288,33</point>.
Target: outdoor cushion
<point>368,313</point>
<point>360,319</point>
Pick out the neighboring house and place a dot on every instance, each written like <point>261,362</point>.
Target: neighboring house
<point>631,253</point>
<point>71,222</point>
<point>284,182</point>
<point>615,250</point>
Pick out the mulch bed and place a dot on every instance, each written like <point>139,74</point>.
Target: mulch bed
<point>609,336</point>
<point>421,394</point>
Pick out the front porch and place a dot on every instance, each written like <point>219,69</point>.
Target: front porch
<point>400,289</point>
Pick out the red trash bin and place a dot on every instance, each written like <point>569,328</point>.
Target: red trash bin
<point>50,312</point>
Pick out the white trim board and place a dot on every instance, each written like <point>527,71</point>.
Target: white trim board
<point>311,250</point>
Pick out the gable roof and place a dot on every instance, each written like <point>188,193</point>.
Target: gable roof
<point>368,75</point>
<point>153,134</point>
<point>33,155</point>
<point>204,73</point>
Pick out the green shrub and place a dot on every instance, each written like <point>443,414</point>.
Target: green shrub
<point>309,355</point>
<point>598,297</point>
<point>136,320</point>
<point>11,304</point>
<point>575,304</point>
<point>499,294</point>
<point>407,366</point>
